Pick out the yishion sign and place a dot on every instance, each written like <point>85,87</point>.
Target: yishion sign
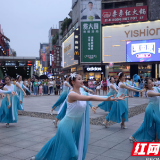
<point>120,15</point>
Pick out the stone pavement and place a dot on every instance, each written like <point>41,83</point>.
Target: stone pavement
<point>23,140</point>
<point>43,104</point>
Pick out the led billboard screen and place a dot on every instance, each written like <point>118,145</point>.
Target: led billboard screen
<point>143,50</point>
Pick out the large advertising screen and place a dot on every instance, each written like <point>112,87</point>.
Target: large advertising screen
<point>143,51</point>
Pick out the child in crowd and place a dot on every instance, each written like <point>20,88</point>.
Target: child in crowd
<point>40,89</point>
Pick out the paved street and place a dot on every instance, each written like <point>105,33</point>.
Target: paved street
<point>43,104</point>
<point>24,139</point>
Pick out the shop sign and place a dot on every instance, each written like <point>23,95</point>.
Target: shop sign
<point>91,31</point>
<point>90,42</point>
<point>120,15</point>
<point>10,64</point>
<point>94,69</point>
<point>22,63</point>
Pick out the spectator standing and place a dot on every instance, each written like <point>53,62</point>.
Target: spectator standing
<point>1,84</point>
<point>45,87</point>
<point>141,86</point>
<point>40,89</point>
<point>108,82</point>
<point>104,85</point>
<point>92,85</point>
<point>30,85</point>
<point>36,87</point>
<point>131,83</point>
<point>98,86</point>
<point>85,82</point>
<point>51,86</point>
<point>58,85</point>
<point>54,86</point>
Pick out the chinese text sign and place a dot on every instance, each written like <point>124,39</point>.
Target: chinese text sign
<point>129,14</point>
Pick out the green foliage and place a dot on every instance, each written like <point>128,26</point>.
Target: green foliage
<point>55,38</point>
<point>65,24</point>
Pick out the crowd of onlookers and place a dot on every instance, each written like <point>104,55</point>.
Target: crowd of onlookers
<point>96,84</point>
<point>40,86</point>
<point>55,86</point>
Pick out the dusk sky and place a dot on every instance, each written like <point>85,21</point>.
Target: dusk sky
<point>27,22</point>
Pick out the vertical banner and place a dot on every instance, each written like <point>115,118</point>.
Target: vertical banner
<point>77,44</point>
<point>91,31</point>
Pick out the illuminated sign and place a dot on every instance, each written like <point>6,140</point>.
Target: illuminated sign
<point>143,51</point>
<point>98,69</point>
<point>43,57</point>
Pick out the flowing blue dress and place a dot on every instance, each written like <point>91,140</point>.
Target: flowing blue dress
<point>119,110</point>
<point>20,94</point>
<point>151,124</point>
<point>62,110</point>
<point>9,115</point>
<point>62,97</point>
<point>71,139</point>
<point>105,105</point>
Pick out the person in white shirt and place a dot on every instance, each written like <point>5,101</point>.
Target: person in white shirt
<point>90,13</point>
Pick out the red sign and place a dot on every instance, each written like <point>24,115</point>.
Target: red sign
<point>43,57</point>
<point>146,149</point>
<point>119,15</point>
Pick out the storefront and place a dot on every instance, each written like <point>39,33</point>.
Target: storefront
<point>97,72</point>
<point>135,46</point>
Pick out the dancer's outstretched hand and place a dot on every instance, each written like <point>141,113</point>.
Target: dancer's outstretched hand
<point>111,99</point>
<point>3,95</point>
<point>13,93</point>
<point>143,90</point>
<point>20,101</point>
<point>122,97</point>
<point>94,109</point>
<point>9,106</point>
<point>92,91</point>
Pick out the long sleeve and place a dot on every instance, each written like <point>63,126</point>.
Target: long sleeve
<point>5,92</point>
<point>26,89</point>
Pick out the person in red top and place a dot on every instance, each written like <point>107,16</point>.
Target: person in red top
<point>104,84</point>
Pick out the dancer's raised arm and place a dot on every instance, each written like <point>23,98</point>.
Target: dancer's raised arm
<point>17,85</point>
<point>8,97</point>
<point>153,94</point>
<point>77,97</point>
<point>131,89</point>
<point>112,86</point>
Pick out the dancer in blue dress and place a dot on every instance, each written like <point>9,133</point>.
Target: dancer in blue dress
<point>61,105</point>
<point>66,88</point>
<point>20,91</point>
<point>119,111</point>
<point>71,139</point>
<point>62,110</point>
<point>9,105</point>
<point>150,128</point>
<point>113,91</point>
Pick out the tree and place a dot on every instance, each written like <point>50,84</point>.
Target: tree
<point>65,24</point>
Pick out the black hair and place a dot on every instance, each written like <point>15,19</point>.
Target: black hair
<point>110,78</point>
<point>90,2</point>
<point>65,77</point>
<point>72,79</point>
<point>7,77</point>
<point>120,76</point>
<point>146,82</point>
<point>17,77</point>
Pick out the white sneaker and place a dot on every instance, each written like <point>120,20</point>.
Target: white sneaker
<point>55,123</point>
<point>33,158</point>
<point>51,112</point>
